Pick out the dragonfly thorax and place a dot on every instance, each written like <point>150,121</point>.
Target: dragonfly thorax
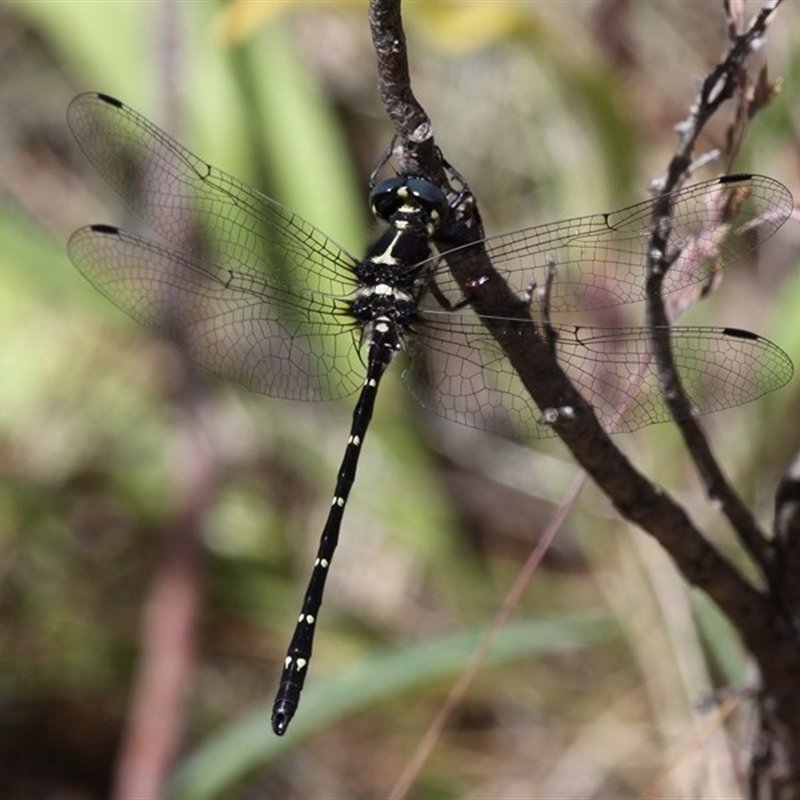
<point>390,279</point>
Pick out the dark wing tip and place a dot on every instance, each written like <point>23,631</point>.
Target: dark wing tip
<point>102,228</point>
<point>740,333</point>
<point>107,98</point>
<point>736,177</point>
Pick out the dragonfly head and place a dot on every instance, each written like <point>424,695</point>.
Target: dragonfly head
<point>407,202</point>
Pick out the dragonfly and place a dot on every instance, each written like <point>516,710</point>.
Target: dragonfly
<point>256,294</point>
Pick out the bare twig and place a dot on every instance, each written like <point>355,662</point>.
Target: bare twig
<point>765,628</point>
<point>719,86</point>
<point>417,153</point>
<point>787,535</point>
<point>574,420</point>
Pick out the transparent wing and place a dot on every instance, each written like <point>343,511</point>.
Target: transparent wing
<point>459,371</point>
<point>258,295</point>
<point>600,263</point>
<point>600,259</point>
<point>301,346</point>
<point>200,210</point>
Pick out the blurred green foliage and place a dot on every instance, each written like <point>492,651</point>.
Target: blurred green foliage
<point>549,109</point>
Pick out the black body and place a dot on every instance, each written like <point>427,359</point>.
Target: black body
<point>254,293</point>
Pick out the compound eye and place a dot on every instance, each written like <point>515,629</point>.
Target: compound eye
<point>384,199</point>
<point>429,195</point>
<point>389,196</point>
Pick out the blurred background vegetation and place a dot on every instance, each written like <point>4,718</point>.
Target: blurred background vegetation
<point>550,109</point>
